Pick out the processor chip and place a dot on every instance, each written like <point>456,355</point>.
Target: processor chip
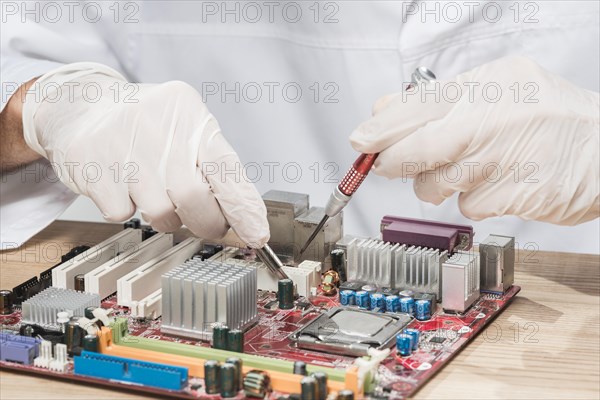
<point>350,331</point>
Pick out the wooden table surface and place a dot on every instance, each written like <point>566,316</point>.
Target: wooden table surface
<point>545,345</point>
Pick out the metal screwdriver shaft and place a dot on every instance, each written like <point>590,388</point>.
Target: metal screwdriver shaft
<point>344,191</point>
<point>359,170</point>
<point>270,259</point>
<point>313,235</point>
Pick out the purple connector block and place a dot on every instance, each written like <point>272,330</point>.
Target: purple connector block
<point>420,232</point>
<point>20,349</point>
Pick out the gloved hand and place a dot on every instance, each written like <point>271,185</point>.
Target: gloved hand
<point>531,151</point>
<point>156,148</point>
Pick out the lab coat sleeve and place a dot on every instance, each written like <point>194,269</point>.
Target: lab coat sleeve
<point>32,196</point>
<point>21,52</point>
<point>32,43</point>
<point>17,70</point>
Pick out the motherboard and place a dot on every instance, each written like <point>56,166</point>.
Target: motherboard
<point>357,318</point>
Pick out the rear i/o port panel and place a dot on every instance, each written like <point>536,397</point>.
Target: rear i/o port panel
<point>359,317</point>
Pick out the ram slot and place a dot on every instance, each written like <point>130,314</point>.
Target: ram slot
<point>148,307</point>
<point>63,275</point>
<point>103,280</point>
<point>145,280</point>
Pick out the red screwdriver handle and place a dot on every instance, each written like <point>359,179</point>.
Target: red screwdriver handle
<point>357,173</point>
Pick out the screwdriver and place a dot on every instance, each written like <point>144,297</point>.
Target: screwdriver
<point>360,169</point>
<point>270,259</point>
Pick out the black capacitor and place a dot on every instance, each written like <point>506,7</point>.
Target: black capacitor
<point>228,388</point>
<point>309,388</point>
<point>338,263</point>
<point>235,341</point>
<point>90,343</point>
<point>220,336</point>
<point>345,395</point>
<point>89,312</point>
<point>79,282</point>
<point>321,378</point>
<point>239,373</point>
<point>73,335</point>
<point>299,368</point>
<point>6,302</point>
<point>285,294</point>
<point>212,371</point>
<point>134,223</point>
<point>218,248</point>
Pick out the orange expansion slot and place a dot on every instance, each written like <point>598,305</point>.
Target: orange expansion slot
<point>280,381</point>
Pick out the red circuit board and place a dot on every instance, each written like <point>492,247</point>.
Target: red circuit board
<point>442,337</point>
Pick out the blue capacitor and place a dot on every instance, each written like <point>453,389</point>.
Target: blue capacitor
<point>378,302</point>
<point>422,310</point>
<point>362,299</point>
<point>392,303</point>
<point>404,344</point>
<point>407,305</point>
<point>414,333</point>
<point>347,297</point>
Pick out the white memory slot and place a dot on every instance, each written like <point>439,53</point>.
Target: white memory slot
<point>145,280</point>
<point>103,280</point>
<point>63,275</point>
<point>148,307</point>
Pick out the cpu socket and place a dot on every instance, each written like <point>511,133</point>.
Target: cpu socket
<point>350,331</point>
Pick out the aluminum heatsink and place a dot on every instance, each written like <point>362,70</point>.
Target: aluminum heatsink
<point>42,308</point>
<point>197,294</point>
<point>395,265</point>
<point>461,281</point>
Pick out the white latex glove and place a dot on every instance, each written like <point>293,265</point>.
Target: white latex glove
<point>537,160</point>
<point>157,148</point>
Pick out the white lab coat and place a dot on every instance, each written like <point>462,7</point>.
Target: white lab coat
<point>249,68</point>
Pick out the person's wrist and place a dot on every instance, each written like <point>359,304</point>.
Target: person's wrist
<point>15,103</point>
<point>15,152</point>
